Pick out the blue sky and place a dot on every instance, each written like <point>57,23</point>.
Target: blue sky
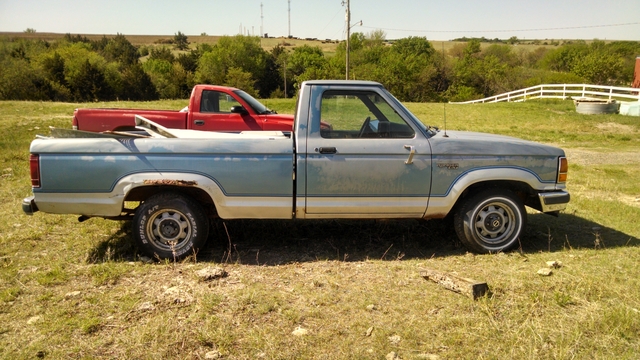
<point>325,19</point>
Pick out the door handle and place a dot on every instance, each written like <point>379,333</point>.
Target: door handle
<point>327,150</point>
<point>199,122</point>
<point>412,151</point>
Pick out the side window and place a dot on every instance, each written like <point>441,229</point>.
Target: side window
<point>354,115</point>
<point>217,102</point>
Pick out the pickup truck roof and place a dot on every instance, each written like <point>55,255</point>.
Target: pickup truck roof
<point>343,82</point>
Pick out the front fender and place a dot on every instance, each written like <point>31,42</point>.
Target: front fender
<point>441,204</point>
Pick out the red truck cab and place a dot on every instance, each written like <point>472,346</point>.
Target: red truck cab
<point>211,108</point>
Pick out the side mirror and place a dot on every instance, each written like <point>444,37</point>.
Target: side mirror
<point>238,109</point>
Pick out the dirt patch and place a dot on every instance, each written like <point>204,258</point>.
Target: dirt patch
<point>588,157</point>
<point>631,200</point>
<point>615,127</point>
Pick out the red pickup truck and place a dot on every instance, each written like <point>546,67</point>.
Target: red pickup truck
<point>211,108</point>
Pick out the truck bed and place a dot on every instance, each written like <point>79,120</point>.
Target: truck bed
<point>98,120</point>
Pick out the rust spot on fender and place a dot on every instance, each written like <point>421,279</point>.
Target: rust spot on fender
<point>171,182</point>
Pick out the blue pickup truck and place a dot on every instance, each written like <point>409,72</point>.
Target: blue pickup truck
<point>376,160</point>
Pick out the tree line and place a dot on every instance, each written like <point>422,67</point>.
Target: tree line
<point>81,70</point>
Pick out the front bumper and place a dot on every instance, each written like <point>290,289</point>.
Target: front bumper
<point>29,205</point>
<point>554,201</point>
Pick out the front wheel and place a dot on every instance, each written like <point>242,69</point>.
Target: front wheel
<point>490,221</point>
<point>170,226</point>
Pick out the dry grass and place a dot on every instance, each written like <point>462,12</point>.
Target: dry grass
<point>351,289</point>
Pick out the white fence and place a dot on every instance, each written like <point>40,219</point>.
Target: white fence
<point>563,91</point>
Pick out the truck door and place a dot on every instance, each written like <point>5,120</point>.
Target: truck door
<point>370,164</point>
<point>215,114</point>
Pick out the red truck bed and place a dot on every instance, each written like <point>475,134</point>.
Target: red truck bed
<point>122,119</point>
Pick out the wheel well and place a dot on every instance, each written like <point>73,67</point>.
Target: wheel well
<point>142,193</point>
<point>521,189</point>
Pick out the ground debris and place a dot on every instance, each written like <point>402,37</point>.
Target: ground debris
<point>215,354</point>
<point>300,331</point>
<point>178,296</point>
<point>210,273</point>
<point>369,332</point>
<point>428,356</point>
<point>465,286</point>
<point>554,264</point>
<point>146,306</point>
<point>72,294</point>
<point>395,339</point>
<point>34,319</point>
<point>393,356</point>
<point>545,272</point>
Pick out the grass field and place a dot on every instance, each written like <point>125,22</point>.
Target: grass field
<point>334,289</point>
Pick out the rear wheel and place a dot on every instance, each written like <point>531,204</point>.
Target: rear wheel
<point>170,226</point>
<point>490,221</point>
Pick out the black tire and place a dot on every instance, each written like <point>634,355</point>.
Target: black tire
<point>170,226</point>
<point>490,221</point>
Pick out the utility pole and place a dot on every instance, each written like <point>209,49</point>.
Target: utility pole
<point>284,74</point>
<point>348,18</point>
<point>261,21</point>
<point>349,26</point>
<point>289,18</point>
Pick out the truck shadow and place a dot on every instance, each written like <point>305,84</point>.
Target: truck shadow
<point>281,242</point>
<point>277,242</point>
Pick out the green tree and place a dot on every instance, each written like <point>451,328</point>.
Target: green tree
<point>272,78</point>
<point>121,50</point>
<point>242,80</point>
<point>90,84</point>
<point>410,70</point>
<point>565,57</point>
<point>599,67</point>
<point>19,81</point>
<point>503,53</point>
<point>414,46</point>
<point>54,68</point>
<point>181,41</point>
<point>162,53</point>
<point>171,80</point>
<point>305,57</point>
<point>189,61</point>
<point>137,84</point>
<point>240,52</point>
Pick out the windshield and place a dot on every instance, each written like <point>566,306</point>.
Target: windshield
<point>255,104</point>
<point>431,130</point>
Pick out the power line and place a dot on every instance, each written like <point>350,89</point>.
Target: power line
<point>498,31</point>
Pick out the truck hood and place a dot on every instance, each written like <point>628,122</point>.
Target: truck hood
<point>483,144</point>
